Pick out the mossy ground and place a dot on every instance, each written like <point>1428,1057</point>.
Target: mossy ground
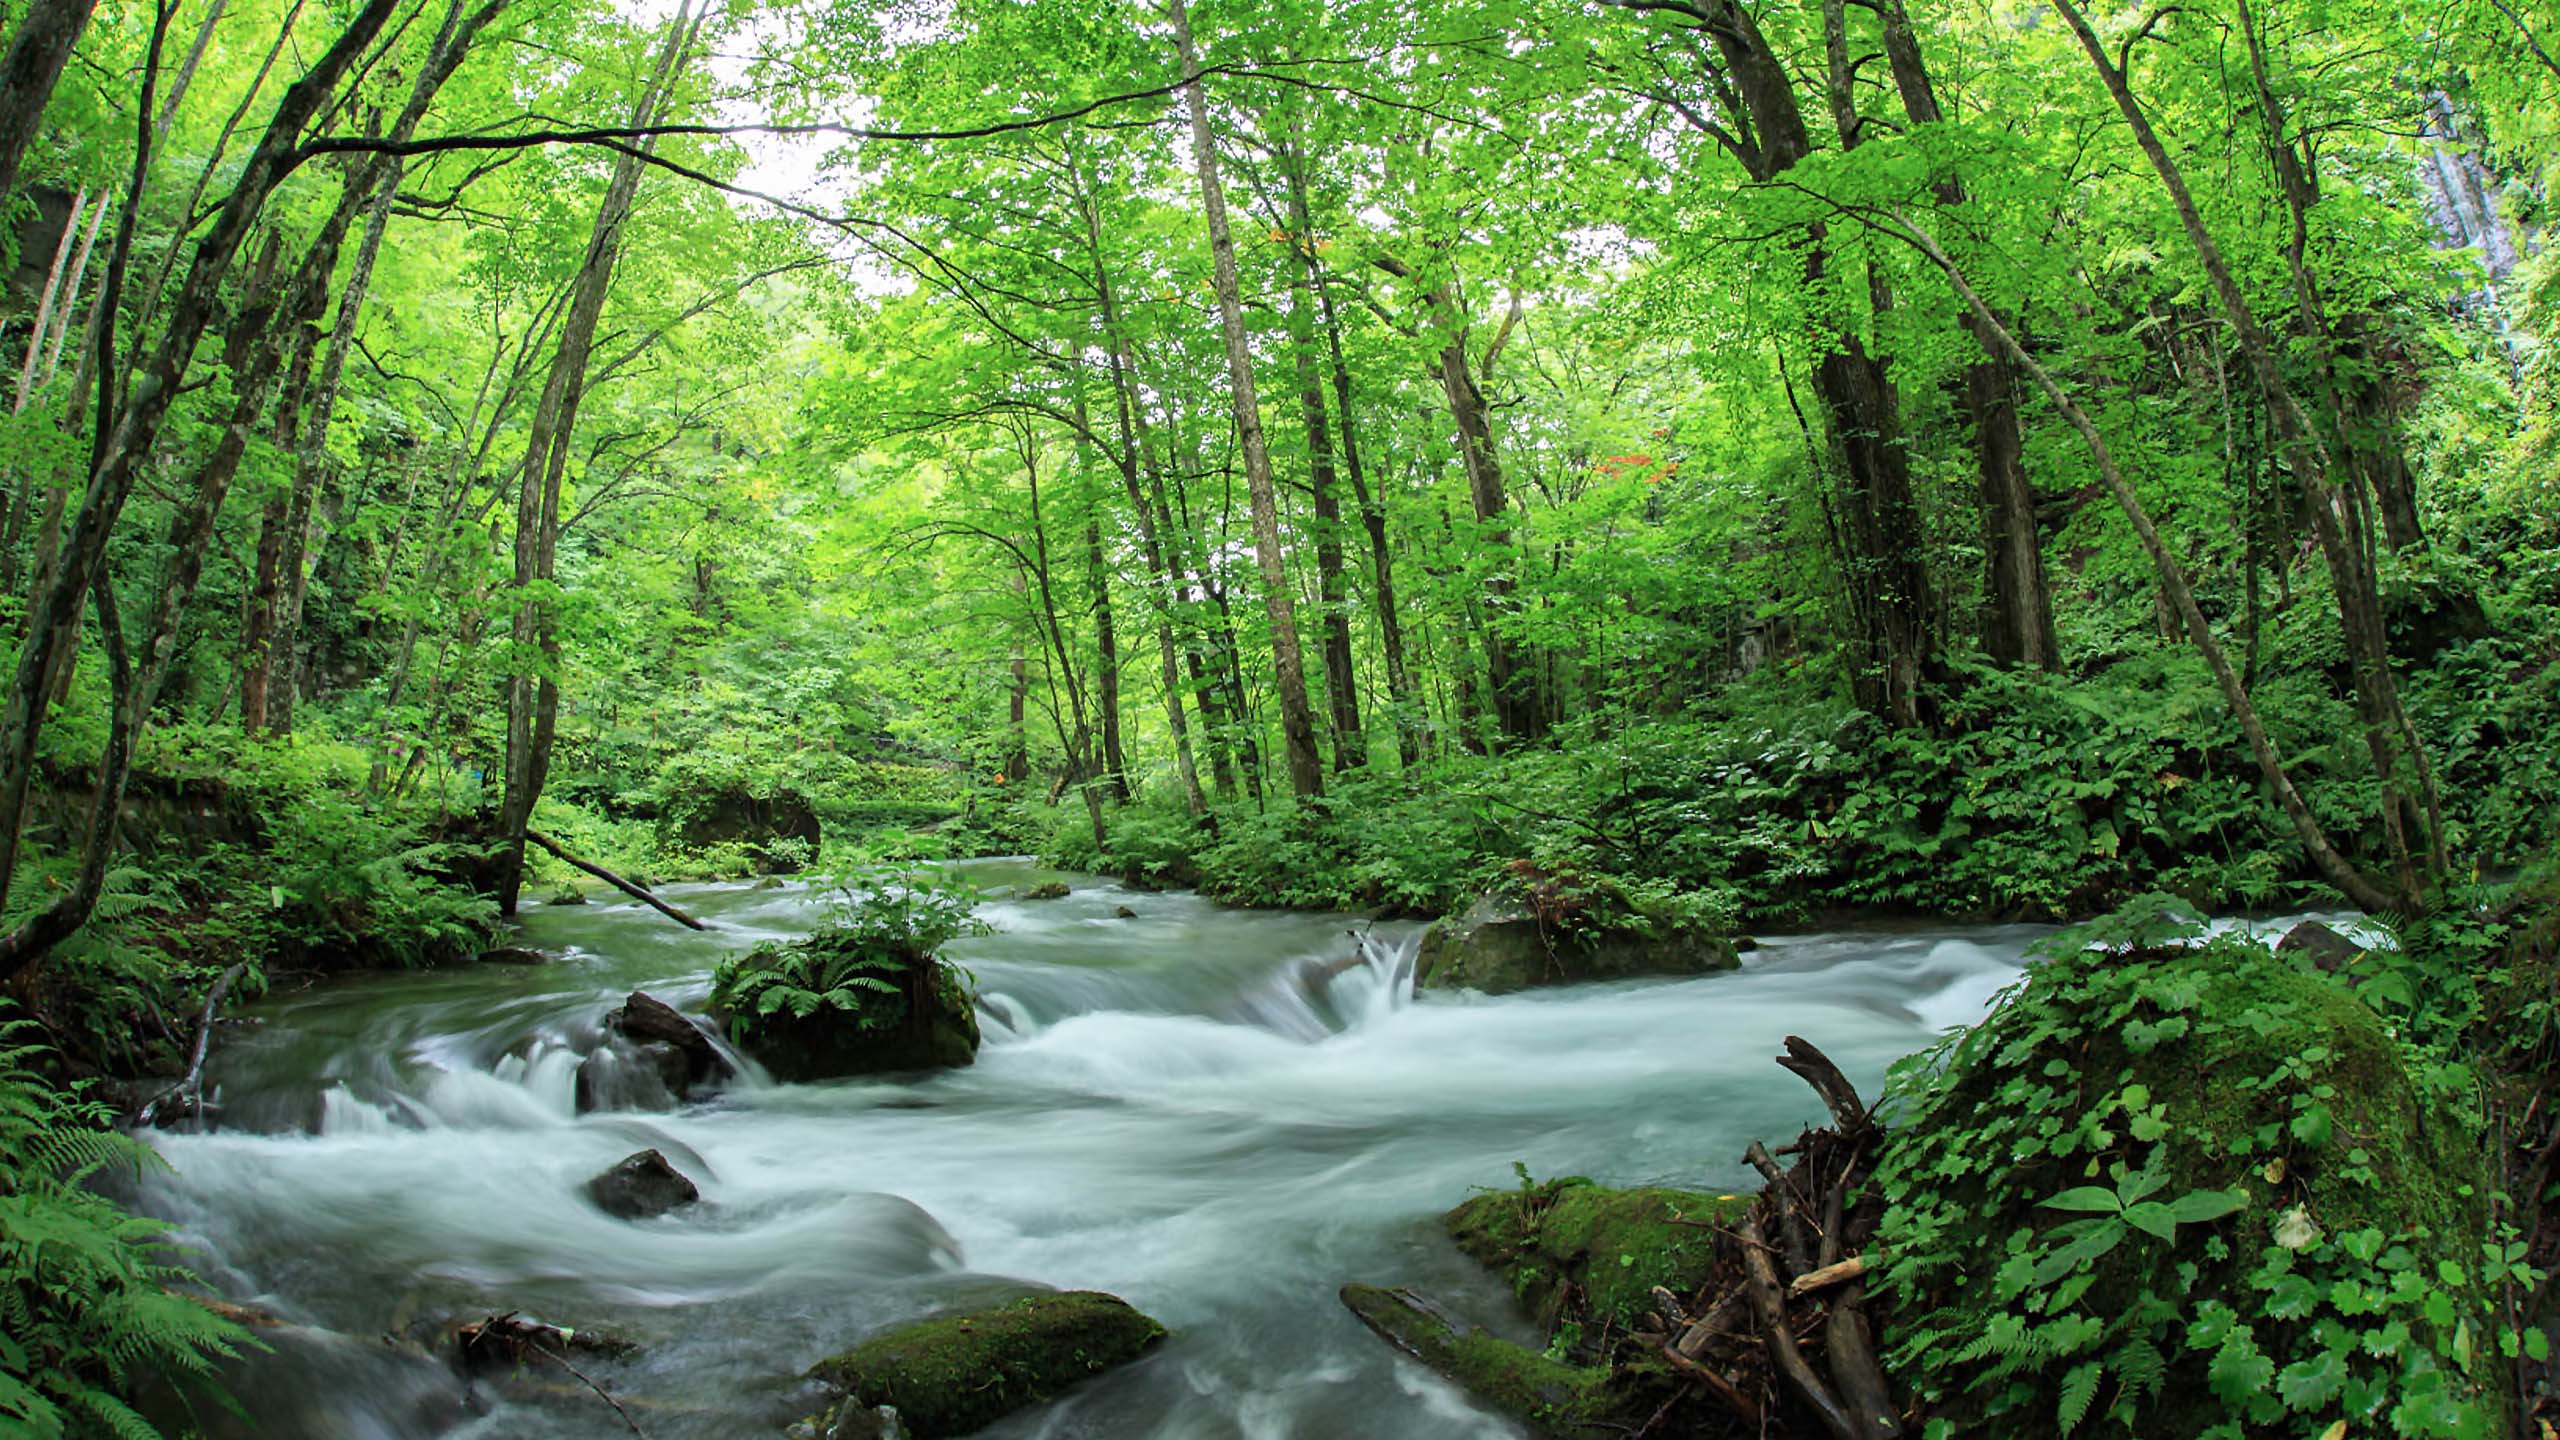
<point>2221,1068</point>
<point>954,1374</point>
<point>1582,1254</point>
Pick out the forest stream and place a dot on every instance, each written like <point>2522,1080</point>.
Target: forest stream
<point>1197,1108</point>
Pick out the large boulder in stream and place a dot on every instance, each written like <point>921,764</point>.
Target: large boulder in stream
<point>642,1187</point>
<point>1501,945</point>
<point>842,1002</point>
<point>1585,1253</point>
<point>779,831</point>
<point>959,1373</point>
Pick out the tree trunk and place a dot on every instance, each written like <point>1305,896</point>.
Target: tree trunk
<point>2017,618</point>
<point>2410,805</point>
<point>37,53</point>
<point>1342,686</point>
<point>1106,675</point>
<point>122,443</point>
<point>533,692</point>
<point>1297,719</point>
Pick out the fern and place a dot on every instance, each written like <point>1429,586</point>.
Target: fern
<point>86,1304</point>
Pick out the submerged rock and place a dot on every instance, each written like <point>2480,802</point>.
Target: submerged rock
<point>1124,913</point>
<point>955,1374</point>
<point>567,895</point>
<point>1498,947</point>
<point>1049,890</point>
<point>643,1187</point>
<point>513,955</point>
<point>853,1420</point>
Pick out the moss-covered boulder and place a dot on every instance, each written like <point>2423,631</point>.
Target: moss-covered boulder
<point>1501,945</point>
<point>2186,1188</point>
<point>954,1374</point>
<point>839,1003</point>
<point>1583,1254</point>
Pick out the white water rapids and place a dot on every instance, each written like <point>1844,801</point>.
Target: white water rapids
<point>1208,1112</point>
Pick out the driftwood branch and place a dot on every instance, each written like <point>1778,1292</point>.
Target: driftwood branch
<point>191,1085</point>
<point>636,892</point>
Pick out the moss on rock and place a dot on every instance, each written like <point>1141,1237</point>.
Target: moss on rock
<point>1582,1253</point>
<point>1544,1393</point>
<point>954,1374</point>
<point>1497,947</point>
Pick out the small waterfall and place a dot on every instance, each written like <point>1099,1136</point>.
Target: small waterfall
<point>1340,993</point>
<point>1387,974</point>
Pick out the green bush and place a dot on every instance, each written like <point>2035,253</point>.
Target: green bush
<point>87,1312</point>
<point>860,967</point>
<point>2186,1188</point>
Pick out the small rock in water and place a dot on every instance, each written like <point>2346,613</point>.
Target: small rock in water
<point>1124,913</point>
<point>1049,890</point>
<point>769,882</point>
<point>568,895</point>
<point>2325,948</point>
<point>642,1187</point>
<point>513,955</point>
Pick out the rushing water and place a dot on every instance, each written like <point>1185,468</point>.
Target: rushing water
<point>1205,1111</point>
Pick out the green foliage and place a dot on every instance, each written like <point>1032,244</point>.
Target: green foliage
<point>88,1309</point>
<point>2179,1186</point>
<point>884,926</point>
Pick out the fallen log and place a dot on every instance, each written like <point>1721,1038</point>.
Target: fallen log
<point>191,1085</point>
<point>635,891</point>
<point>1549,1396</point>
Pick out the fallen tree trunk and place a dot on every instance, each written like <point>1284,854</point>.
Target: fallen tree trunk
<point>636,892</point>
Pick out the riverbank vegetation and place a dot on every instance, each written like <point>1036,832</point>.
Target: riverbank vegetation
<point>1683,464</point>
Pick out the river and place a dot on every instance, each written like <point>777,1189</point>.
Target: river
<point>1167,1107</point>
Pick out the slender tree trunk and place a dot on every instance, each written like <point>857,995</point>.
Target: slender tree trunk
<point>1106,673</point>
<point>533,690</point>
<point>1297,719</point>
<point>1342,685</point>
<point>2410,805</point>
<point>1409,718</point>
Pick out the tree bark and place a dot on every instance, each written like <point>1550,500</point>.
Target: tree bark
<point>533,690</point>
<point>1297,718</point>
<point>2017,621</point>
<point>36,55</point>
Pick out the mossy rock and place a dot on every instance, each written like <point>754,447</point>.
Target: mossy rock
<point>1049,890</point>
<point>2231,1070</point>
<point>1544,1393</point>
<point>954,1374</point>
<point>921,1017</point>
<point>1498,948</point>
<point>567,895</point>
<point>1583,1253</point>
